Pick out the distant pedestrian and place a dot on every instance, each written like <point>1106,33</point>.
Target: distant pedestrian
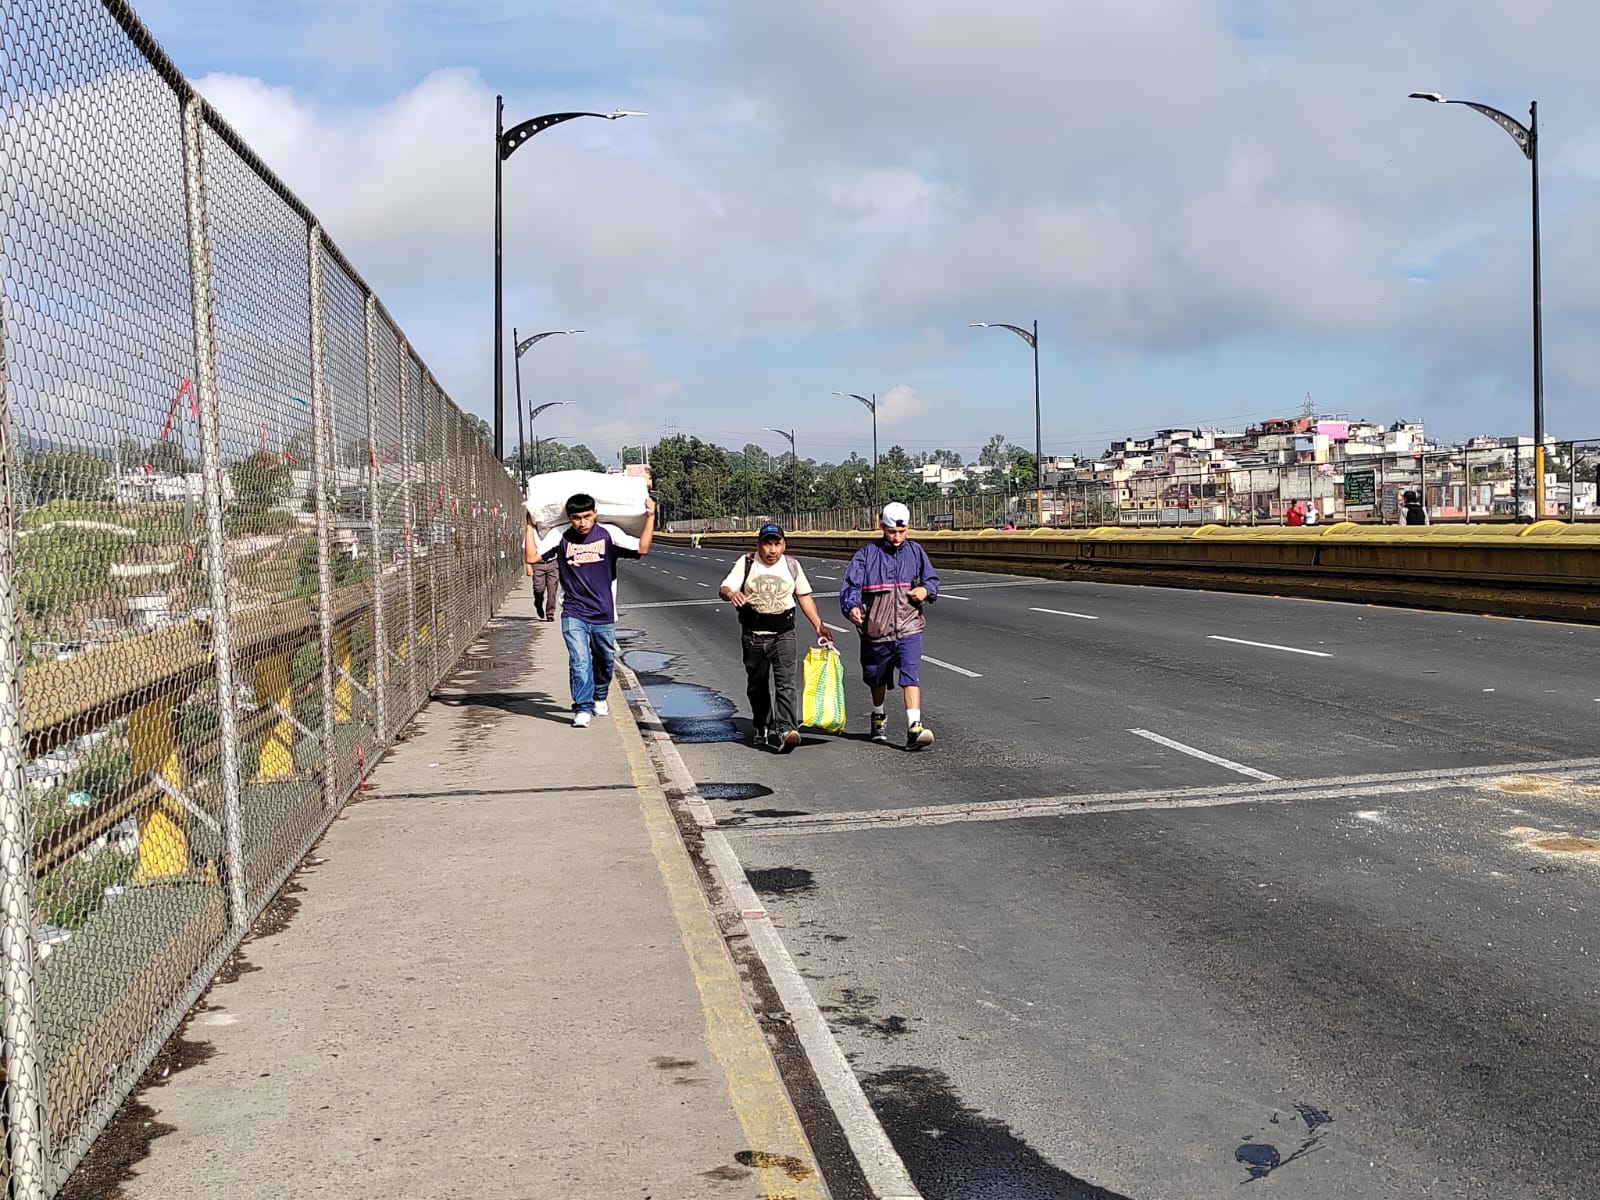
<point>765,587</point>
<point>587,557</point>
<point>543,571</point>
<point>1312,515</point>
<point>885,588</point>
<point>1412,510</point>
<point>1294,516</point>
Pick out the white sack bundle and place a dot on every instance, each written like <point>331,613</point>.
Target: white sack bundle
<point>618,500</point>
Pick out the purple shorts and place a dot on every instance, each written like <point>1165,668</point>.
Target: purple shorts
<point>882,661</point>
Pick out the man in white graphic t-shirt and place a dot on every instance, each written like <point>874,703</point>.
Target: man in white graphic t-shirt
<point>766,587</point>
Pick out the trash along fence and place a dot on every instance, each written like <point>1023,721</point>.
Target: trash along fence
<point>243,533</point>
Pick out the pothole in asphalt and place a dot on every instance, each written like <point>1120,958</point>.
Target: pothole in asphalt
<point>691,713</point>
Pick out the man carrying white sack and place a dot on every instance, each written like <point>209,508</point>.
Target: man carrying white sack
<point>597,521</point>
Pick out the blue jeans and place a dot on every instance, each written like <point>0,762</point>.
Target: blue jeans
<point>591,654</point>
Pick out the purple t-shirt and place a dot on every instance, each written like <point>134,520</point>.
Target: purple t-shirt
<point>588,568</point>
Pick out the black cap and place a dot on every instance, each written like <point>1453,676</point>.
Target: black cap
<point>769,531</point>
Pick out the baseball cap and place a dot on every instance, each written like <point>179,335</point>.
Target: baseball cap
<point>895,515</point>
<point>769,531</point>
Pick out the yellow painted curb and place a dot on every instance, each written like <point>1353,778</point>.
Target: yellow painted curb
<point>780,1154</point>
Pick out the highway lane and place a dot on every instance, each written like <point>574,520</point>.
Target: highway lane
<point>1163,1002</point>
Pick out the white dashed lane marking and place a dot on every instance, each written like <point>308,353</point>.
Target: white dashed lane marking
<point>1217,637</point>
<point>1201,754</point>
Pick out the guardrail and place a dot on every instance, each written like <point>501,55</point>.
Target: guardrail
<point>243,533</point>
<point>1545,569</point>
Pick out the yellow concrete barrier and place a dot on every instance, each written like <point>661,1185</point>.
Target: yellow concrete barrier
<point>153,748</point>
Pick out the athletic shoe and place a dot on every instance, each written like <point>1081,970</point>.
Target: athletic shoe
<point>880,727</point>
<point>790,740</point>
<point>581,721</point>
<point>758,736</point>
<point>602,708</point>
<point>774,739</point>
<point>918,737</point>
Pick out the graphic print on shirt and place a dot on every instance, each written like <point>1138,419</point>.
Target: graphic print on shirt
<point>582,554</point>
<point>769,592</point>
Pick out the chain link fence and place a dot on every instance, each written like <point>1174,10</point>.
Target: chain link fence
<point>243,534</point>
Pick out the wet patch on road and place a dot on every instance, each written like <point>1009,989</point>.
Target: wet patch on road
<point>782,881</point>
<point>854,1011</point>
<point>733,791</point>
<point>955,1152</point>
<point>689,712</point>
<point>1261,1158</point>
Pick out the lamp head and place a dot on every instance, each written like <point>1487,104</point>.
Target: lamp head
<point>624,112</point>
<point>1433,97</point>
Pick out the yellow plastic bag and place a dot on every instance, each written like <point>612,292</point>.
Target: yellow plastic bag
<point>824,696</point>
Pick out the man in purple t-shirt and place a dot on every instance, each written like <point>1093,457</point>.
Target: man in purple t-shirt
<point>586,557</point>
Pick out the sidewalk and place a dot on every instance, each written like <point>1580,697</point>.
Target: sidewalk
<point>502,980</point>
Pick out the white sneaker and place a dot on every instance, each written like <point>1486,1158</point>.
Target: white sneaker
<point>602,708</point>
<point>581,721</point>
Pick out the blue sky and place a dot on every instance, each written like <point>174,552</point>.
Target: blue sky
<point>1211,208</point>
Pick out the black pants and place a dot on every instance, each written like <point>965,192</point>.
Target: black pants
<point>764,654</point>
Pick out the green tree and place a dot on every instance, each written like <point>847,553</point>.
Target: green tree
<point>64,475</point>
<point>482,428</point>
<point>260,481</point>
<point>168,458</point>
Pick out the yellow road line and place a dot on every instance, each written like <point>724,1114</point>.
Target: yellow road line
<point>780,1154</point>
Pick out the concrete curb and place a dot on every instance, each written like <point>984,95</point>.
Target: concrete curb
<point>880,1163</point>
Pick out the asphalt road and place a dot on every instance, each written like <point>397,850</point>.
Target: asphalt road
<point>1195,890</point>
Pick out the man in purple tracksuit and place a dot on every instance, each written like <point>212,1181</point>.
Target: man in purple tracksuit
<point>886,585</point>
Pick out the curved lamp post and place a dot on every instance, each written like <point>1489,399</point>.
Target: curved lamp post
<point>1527,140</point>
<point>1038,436</point>
<point>506,143</point>
<point>794,510</point>
<point>872,407</point>
<point>522,345</point>
<point>533,413</point>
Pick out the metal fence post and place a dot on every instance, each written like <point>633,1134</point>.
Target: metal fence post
<point>27,1130</point>
<point>409,516</point>
<point>322,454</point>
<point>212,496</point>
<point>380,634</point>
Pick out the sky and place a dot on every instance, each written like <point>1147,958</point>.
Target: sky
<point>1213,208</point>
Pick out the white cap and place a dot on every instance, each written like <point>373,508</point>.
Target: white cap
<point>895,515</point>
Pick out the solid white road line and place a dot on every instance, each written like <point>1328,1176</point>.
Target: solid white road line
<point>1217,637</point>
<point>1210,758</point>
<point>1062,613</point>
<point>938,662</point>
<point>950,596</point>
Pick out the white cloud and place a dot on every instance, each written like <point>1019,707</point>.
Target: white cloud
<point>1160,184</point>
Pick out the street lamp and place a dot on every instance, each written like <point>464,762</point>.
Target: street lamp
<point>1527,140</point>
<point>521,346</point>
<point>1038,435</point>
<point>794,511</point>
<point>872,407</point>
<point>533,413</point>
<point>506,143</point>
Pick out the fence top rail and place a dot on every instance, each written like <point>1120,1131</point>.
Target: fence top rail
<point>122,12</point>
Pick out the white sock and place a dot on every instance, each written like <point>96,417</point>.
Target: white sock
<point>877,710</point>
<point>913,716</point>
